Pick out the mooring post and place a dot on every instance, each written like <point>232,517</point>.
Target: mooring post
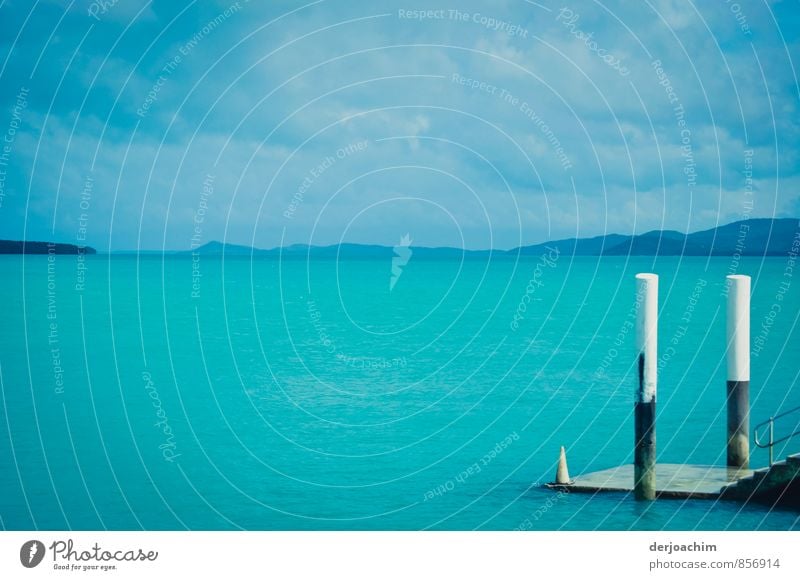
<point>644,457</point>
<point>738,371</point>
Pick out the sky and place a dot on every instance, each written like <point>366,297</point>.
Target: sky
<point>164,125</point>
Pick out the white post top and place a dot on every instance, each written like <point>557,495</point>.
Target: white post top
<point>647,336</point>
<point>738,330</point>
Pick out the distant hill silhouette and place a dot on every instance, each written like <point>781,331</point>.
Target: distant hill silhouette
<point>20,247</point>
<point>754,237</point>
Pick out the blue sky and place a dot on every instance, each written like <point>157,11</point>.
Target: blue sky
<point>153,124</point>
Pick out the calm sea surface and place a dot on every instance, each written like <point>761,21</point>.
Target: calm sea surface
<point>167,393</point>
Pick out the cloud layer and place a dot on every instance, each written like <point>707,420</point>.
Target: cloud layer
<point>492,125</point>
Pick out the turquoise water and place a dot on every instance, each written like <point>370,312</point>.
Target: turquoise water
<point>168,394</point>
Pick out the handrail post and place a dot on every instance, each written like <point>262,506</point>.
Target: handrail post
<point>770,423</point>
<point>771,439</point>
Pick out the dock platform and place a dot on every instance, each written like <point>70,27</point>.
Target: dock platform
<point>673,480</point>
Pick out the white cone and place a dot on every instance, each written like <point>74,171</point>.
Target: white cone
<point>562,474</point>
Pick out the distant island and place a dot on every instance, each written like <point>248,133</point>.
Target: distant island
<point>21,247</point>
<point>753,237</point>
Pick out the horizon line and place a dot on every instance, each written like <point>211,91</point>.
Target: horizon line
<point>380,245</point>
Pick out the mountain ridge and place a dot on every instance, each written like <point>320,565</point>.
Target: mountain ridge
<point>752,237</point>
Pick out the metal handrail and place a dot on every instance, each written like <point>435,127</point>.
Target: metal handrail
<point>772,441</point>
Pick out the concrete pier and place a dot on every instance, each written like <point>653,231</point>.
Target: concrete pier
<point>677,481</point>
<point>738,358</point>
<point>734,481</point>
